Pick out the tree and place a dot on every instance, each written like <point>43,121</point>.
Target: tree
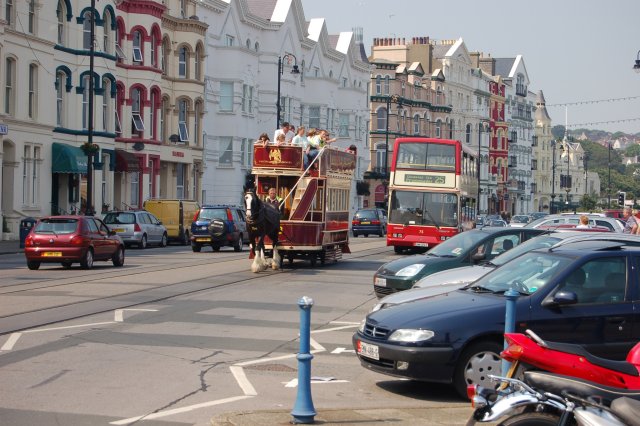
<point>588,202</point>
<point>632,151</point>
<point>558,131</point>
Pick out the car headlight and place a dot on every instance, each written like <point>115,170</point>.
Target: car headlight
<point>361,326</point>
<point>410,335</point>
<point>410,271</point>
<point>377,307</point>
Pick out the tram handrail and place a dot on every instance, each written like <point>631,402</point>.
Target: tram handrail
<point>301,176</point>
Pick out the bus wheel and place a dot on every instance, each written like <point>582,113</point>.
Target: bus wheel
<point>398,249</point>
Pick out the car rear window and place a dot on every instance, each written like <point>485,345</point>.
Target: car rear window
<point>56,226</point>
<point>366,214</point>
<point>120,218</point>
<point>209,214</point>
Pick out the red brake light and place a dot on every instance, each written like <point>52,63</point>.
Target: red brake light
<point>136,228</point>
<point>77,240</point>
<point>471,392</point>
<point>28,242</point>
<point>229,217</point>
<point>375,222</point>
<point>195,216</point>
<point>512,352</point>
<point>355,222</point>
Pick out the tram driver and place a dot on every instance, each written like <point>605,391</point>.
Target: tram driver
<point>275,201</point>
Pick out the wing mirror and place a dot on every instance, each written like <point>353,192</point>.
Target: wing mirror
<point>561,298</point>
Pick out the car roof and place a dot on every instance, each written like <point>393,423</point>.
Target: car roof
<point>503,229</point>
<point>597,242</point>
<point>219,206</point>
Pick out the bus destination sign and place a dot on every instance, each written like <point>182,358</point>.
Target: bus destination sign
<point>425,179</point>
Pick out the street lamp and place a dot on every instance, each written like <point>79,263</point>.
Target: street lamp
<point>479,158</point>
<point>390,99</point>
<point>88,210</point>
<point>609,183</point>
<point>636,66</point>
<point>567,179</point>
<point>294,70</point>
<point>553,178</point>
<point>585,158</point>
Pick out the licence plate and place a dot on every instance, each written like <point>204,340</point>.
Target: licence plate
<point>119,229</point>
<point>203,240</point>
<point>368,350</point>
<point>52,254</point>
<point>421,245</point>
<point>380,282</point>
<point>365,223</point>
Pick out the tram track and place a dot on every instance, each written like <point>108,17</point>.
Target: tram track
<point>203,281</point>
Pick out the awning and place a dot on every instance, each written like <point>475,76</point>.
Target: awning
<point>68,159</point>
<point>126,161</point>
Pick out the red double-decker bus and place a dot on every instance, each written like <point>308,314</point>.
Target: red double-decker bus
<point>432,191</point>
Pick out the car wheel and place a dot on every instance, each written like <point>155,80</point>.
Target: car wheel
<point>366,235</point>
<point>118,257</point>
<point>532,419</point>
<point>239,244</point>
<point>87,261</point>
<point>196,248</point>
<point>215,248</point>
<point>143,242</point>
<point>475,365</point>
<point>163,241</point>
<point>66,265</point>
<point>354,235</point>
<point>381,233</point>
<point>33,265</point>
<point>185,238</point>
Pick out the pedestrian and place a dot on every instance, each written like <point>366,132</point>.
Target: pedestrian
<point>313,145</point>
<point>584,222</point>
<point>324,138</point>
<point>285,129</point>
<point>631,222</point>
<point>280,139</point>
<point>300,139</point>
<point>352,149</point>
<point>274,200</point>
<point>263,140</point>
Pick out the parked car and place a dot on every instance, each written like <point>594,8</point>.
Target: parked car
<point>369,221</point>
<point>176,216</point>
<point>452,279</point>
<point>594,220</point>
<point>497,223</point>
<point>537,215</point>
<point>519,220</point>
<point>581,292</point>
<point>72,239</point>
<point>217,226</point>
<point>467,248</point>
<point>137,227</point>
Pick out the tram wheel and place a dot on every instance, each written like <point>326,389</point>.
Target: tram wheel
<point>313,259</point>
<point>290,259</point>
<point>323,257</point>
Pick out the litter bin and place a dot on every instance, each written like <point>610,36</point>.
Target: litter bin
<point>25,227</point>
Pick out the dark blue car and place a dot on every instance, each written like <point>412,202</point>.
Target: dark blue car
<point>217,226</point>
<point>582,291</point>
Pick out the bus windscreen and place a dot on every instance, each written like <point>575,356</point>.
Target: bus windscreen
<point>423,156</point>
<point>424,208</point>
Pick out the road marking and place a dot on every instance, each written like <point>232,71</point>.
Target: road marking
<point>344,322</point>
<point>324,330</point>
<point>316,346</point>
<point>243,382</point>
<point>294,382</point>
<point>119,313</point>
<point>179,410</point>
<point>343,350</point>
<point>8,345</point>
<point>68,327</point>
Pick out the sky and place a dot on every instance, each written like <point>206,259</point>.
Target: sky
<point>575,51</point>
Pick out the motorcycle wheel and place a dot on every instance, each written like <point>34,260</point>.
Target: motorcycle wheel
<point>531,419</point>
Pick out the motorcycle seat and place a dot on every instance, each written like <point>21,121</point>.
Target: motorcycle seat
<point>558,384</point>
<point>610,364</point>
<point>627,409</point>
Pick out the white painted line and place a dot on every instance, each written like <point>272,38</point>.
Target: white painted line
<point>317,346</point>
<point>291,384</point>
<point>68,327</point>
<point>11,341</point>
<point>344,322</point>
<point>261,360</point>
<point>294,382</point>
<point>324,330</point>
<point>343,350</point>
<point>179,410</point>
<point>243,382</point>
<point>119,313</point>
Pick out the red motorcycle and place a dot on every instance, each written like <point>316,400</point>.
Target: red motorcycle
<point>571,360</point>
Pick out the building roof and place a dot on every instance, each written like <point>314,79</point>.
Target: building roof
<point>541,113</point>
<point>503,66</point>
<point>440,50</point>
<point>262,8</point>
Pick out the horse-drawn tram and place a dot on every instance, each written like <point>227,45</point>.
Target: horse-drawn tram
<point>314,222</point>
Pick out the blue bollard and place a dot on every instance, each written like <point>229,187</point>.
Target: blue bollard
<point>303,410</point>
<point>509,322</point>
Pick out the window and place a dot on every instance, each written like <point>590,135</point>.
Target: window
<point>86,82</point>
<point>180,181</point>
<point>229,40</point>
<point>106,103</point>
<point>104,183</point>
<point>137,47</point>
<point>226,96</point>
<point>468,134</point>
<point>25,174</point>
<point>247,98</point>
<point>118,108</point>
<point>60,116</point>
<point>31,19</point>
<point>226,151</point>
<point>164,107</point>
<point>381,156</point>
<point>386,84</point>
<point>151,178</point>
<point>60,14</point>
<point>166,49</point>
<point>35,176</point>
<point>183,111</point>
<point>106,33</point>
<point>438,128</point>
<point>196,123</point>
<point>136,111</point>
<point>152,114</point>
<point>154,50</point>
<point>245,145</point>
<point>381,119</point>
<point>344,82</point>
<point>134,185</point>
<point>416,124</point>
<point>33,89</point>
<point>9,12</point>
<point>198,62</point>
<point>314,117</point>
<point>86,30</point>
<point>10,80</point>
<point>343,131</point>
<point>182,62</point>
<point>378,85</point>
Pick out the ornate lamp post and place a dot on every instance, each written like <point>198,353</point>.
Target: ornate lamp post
<point>88,210</point>
<point>294,70</point>
<point>390,99</point>
<point>553,178</point>
<point>609,182</point>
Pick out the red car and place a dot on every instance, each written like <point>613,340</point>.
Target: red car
<point>72,239</point>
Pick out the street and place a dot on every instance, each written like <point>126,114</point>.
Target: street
<point>177,337</point>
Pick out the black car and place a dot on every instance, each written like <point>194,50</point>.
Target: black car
<point>369,221</point>
<point>217,226</point>
<point>465,249</point>
<point>582,291</point>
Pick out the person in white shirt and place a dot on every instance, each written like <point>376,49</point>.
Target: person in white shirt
<point>300,139</point>
<point>285,129</point>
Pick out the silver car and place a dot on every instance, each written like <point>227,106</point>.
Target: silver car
<point>613,224</point>
<point>137,227</point>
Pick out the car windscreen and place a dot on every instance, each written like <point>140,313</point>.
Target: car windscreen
<point>530,272</point>
<point>119,219</point>
<point>209,214</point>
<point>456,246</point>
<point>56,226</point>
<point>520,219</point>
<point>365,214</point>
<point>542,241</point>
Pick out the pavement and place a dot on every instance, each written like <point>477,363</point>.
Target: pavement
<point>10,247</point>
<point>433,415</point>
